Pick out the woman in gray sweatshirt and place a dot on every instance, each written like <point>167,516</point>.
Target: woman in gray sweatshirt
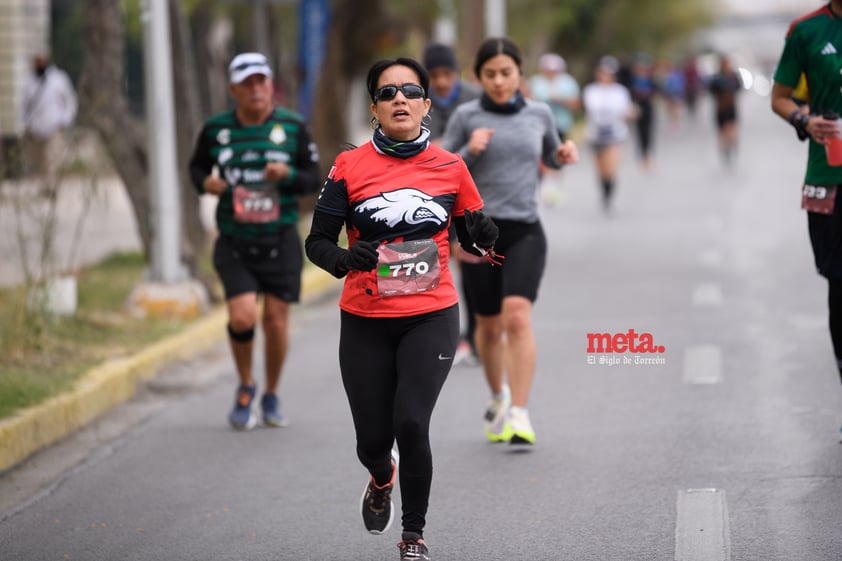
<point>502,137</point>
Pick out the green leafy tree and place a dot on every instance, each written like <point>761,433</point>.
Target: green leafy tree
<point>583,30</point>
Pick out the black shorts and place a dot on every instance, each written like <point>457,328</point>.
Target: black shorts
<point>725,116</point>
<point>268,265</point>
<point>524,246</point>
<point>826,240</point>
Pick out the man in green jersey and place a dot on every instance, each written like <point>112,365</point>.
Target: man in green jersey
<point>257,159</point>
<point>814,47</point>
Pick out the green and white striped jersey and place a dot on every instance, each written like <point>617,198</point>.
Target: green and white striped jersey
<point>241,152</point>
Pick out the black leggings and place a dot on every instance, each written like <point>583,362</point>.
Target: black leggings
<point>393,370</point>
<point>826,240</point>
<point>644,129</point>
<point>834,302</point>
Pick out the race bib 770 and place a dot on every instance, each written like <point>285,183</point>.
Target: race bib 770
<point>408,267</point>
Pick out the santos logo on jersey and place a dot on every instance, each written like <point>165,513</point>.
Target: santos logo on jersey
<point>407,205</point>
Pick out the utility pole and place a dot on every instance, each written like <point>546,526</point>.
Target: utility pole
<point>168,291</point>
<point>444,29</point>
<point>492,14</point>
<point>495,18</point>
<point>160,126</point>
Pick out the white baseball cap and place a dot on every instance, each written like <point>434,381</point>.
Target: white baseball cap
<point>552,62</point>
<point>247,64</point>
<point>609,64</point>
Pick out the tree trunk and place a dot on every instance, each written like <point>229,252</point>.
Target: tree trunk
<point>358,30</point>
<point>187,124</point>
<point>213,35</point>
<point>105,106</point>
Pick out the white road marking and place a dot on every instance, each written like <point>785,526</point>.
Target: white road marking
<point>707,295</point>
<point>701,529</point>
<point>703,364</point>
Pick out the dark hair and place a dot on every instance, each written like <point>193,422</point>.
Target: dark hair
<point>381,65</point>
<point>494,46</point>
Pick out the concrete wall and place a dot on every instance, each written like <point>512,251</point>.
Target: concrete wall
<point>24,30</point>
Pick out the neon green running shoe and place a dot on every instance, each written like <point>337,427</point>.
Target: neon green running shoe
<point>496,426</point>
<point>521,428</point>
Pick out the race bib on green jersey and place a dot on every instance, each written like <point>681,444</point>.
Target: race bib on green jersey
<point>256,205</point>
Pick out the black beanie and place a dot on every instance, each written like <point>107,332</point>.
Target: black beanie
<point>437,55</point>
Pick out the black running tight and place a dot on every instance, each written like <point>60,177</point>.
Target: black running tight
<point>834,301</point>
<point>607,184</point>
<point>644,129</point>
<point>393,370</point>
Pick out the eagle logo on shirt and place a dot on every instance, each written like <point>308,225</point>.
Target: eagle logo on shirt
<point>404,205</point>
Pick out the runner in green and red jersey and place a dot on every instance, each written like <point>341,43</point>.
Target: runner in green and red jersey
<point>814,48</point>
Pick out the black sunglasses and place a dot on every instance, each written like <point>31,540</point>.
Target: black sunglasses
<point>410,91</point>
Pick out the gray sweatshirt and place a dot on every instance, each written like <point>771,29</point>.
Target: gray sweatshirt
<point>507,172</point>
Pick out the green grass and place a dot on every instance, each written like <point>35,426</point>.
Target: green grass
<point>42,355</point>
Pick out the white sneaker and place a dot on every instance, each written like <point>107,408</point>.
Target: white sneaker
<point>463,352</point>
<point>496,425</point>
<point>520,426</point>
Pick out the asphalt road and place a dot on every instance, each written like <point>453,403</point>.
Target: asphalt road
<point>725,450</point>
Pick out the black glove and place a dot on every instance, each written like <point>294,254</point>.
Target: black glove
<point>799,120</point>
<point>482,229</point>
<point>362,256</point>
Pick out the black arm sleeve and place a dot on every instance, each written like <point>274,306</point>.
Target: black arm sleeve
<point>201,162</point>
<point>306,177</point>
<point>321,243</point>
<point>465,240</point>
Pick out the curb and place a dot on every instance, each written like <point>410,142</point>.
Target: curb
<point>109,384</point>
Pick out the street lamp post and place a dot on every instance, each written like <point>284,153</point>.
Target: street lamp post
<point>168,291</point>
<point>495,18</point>
<point>160,119</point>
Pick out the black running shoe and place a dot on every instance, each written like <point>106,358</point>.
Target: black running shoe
<point>377,506</point>
<point>413,547</point>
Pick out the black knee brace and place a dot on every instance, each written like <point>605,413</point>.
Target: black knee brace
<point>241,336</point>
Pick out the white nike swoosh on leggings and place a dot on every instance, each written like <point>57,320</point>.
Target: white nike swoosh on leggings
<point>444,357</point>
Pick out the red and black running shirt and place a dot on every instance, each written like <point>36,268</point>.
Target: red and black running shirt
<point>386,199</point>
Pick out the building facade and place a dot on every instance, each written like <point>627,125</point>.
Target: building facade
<point>24,31</point>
